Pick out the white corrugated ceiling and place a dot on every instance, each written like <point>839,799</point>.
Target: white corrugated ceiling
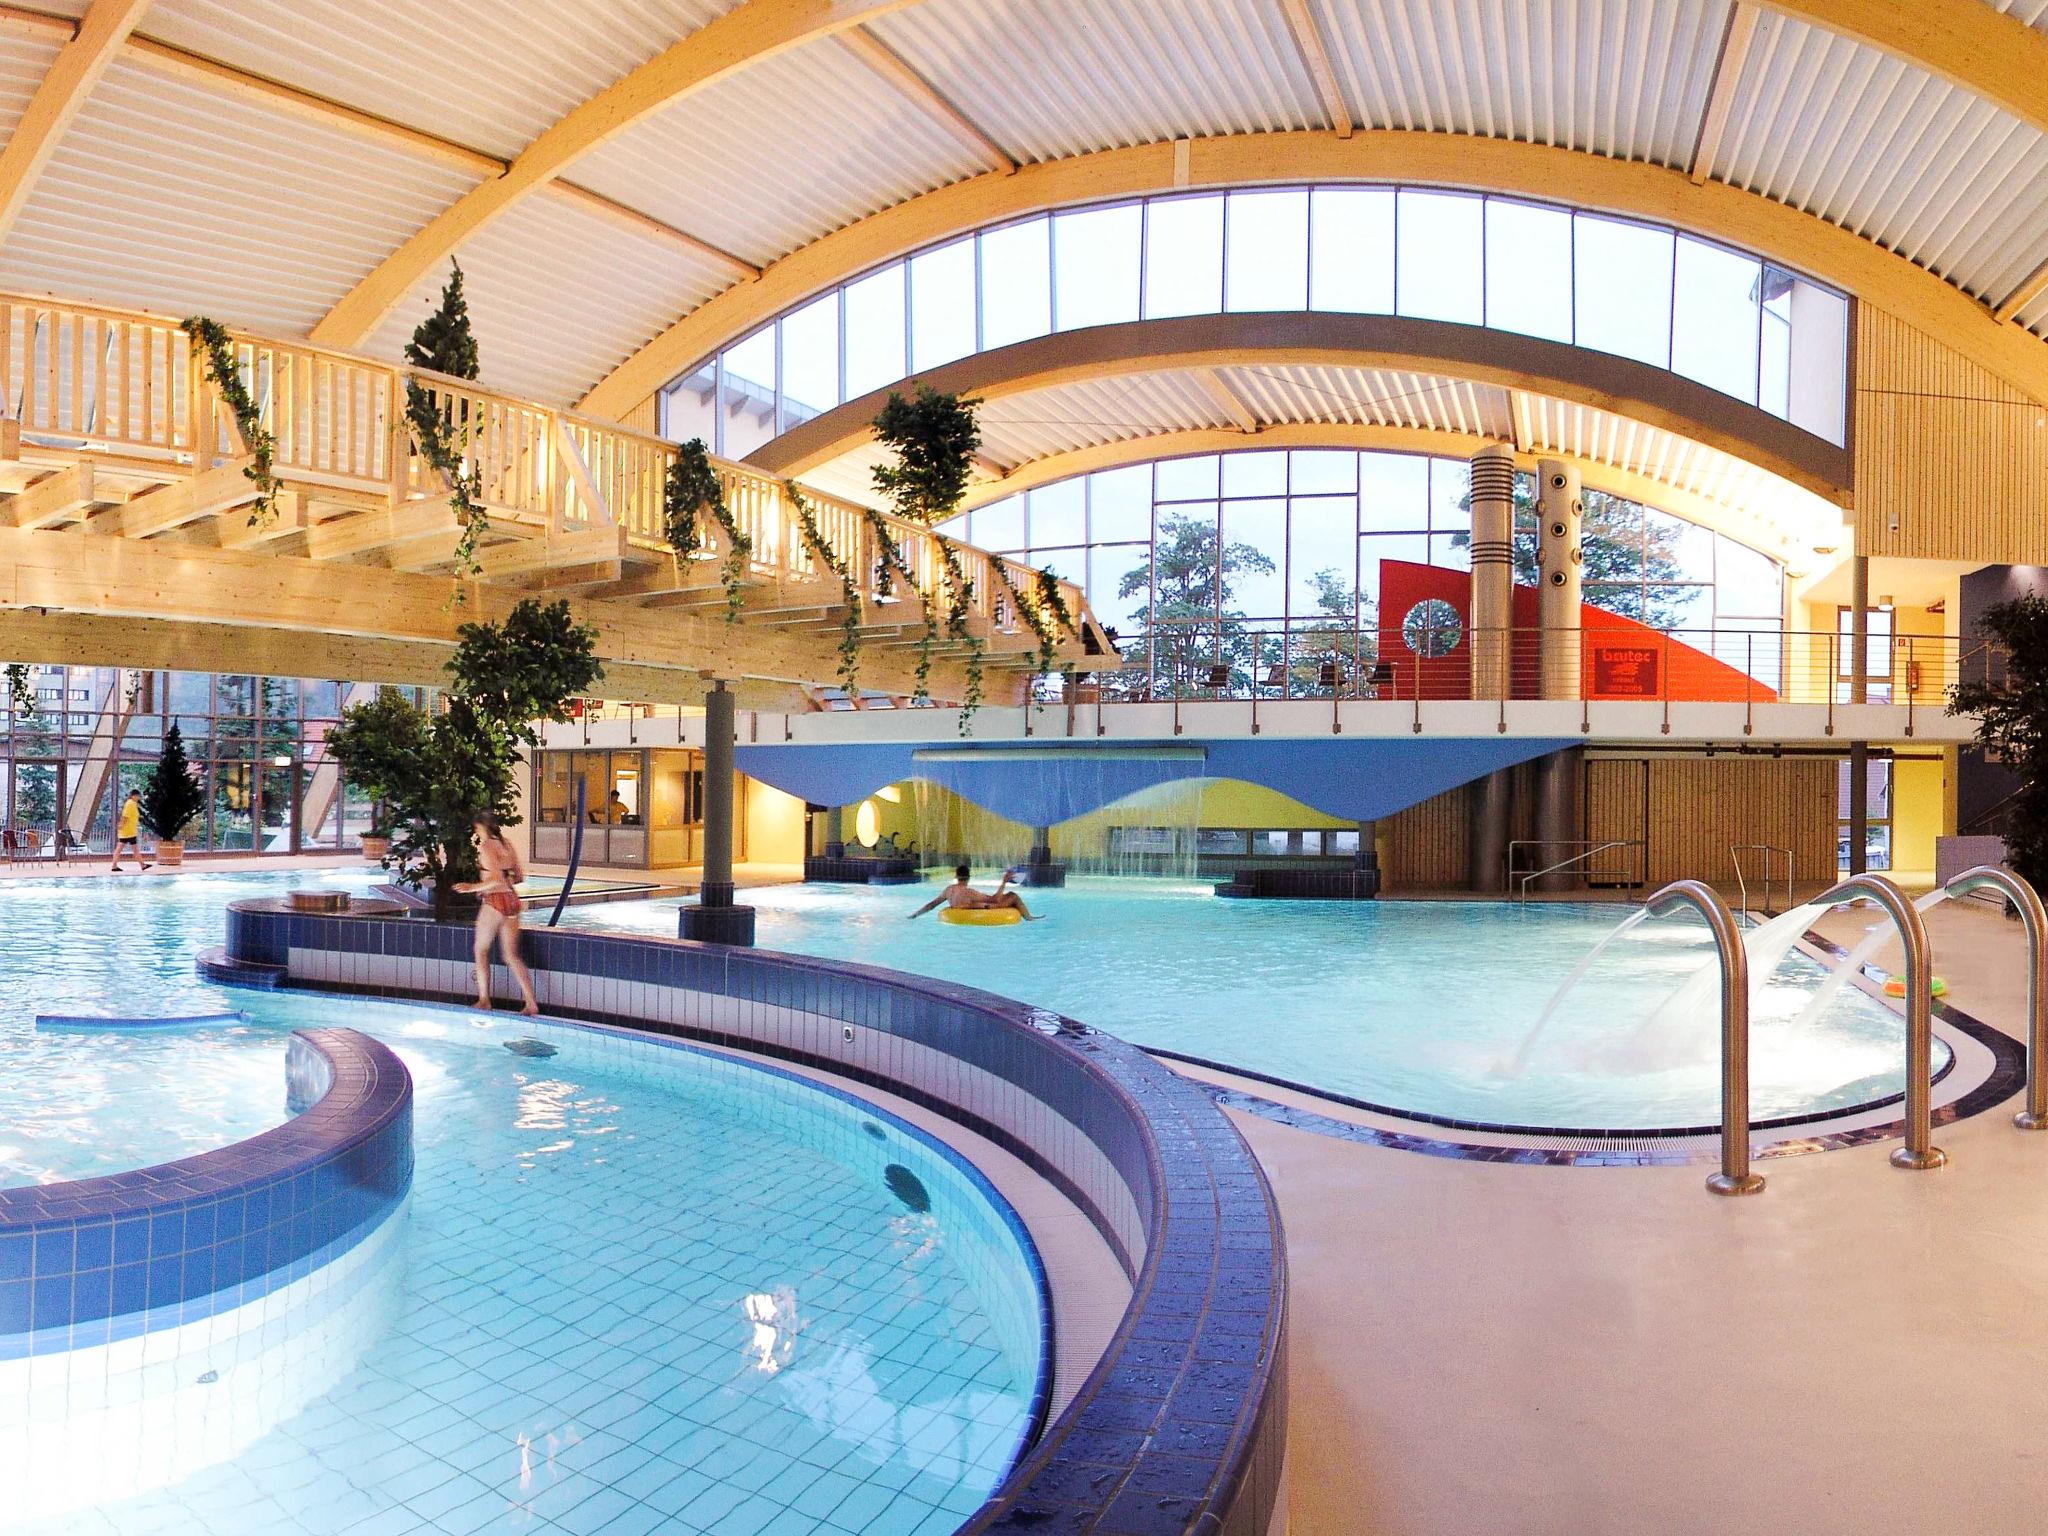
<point>1625,78</point>
<point>1047,78</point>
<point>777,156</point>
<point>485,73</point>
<point>1890,152</point>
<point>559,293</point>
<point>179,196</point>
<point>174,197</point>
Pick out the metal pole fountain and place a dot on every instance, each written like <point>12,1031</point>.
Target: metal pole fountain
<point>1989,877</point>
<point>1918,1152</point>
<point>1734,1177</point>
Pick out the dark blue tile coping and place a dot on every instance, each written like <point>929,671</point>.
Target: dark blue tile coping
<point>1195,1370</point>
<point>95,1260</point>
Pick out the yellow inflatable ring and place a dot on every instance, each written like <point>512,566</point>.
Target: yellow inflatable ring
<point>982,917</point>
<point>1896,987</point>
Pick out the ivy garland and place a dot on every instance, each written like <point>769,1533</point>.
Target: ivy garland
<point>893,567</point>
<point>849,589</point>
<point>1045,615</point>
<point>960,598</point>
<point>212,345</point>
<point>445,343</point>
<point>20,697</point>
<point>693,486</point>
<point>441,444</point>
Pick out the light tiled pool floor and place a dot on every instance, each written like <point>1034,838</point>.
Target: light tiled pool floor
<point>631,1307</point>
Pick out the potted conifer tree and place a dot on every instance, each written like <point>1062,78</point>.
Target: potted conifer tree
<point>171,798</point>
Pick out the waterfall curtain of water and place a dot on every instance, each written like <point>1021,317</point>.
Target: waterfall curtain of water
<point>1153,832</point>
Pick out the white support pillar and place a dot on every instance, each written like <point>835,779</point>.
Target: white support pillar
<point>1560,565</point>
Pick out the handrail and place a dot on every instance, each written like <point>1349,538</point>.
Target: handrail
<point>1918,1152</point>
<point>1989,877</point>
<point>1734,1177</point>
<point>122,383</point>
<point>1735,853</point>
<point>1587,851</point>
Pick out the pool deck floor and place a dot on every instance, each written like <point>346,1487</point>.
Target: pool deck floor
<point>1490,1348</point>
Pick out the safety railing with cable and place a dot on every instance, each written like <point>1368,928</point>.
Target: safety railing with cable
<point>1320,659</point>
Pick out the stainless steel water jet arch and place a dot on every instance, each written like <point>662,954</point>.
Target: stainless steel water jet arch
<point>1734,1177</point>
<point>1989,877</point>
<point>1917,1153</point>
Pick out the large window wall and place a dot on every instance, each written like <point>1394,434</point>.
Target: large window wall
<point>1272,557</point>
<point>257,745</point>
<point>1734,322</point>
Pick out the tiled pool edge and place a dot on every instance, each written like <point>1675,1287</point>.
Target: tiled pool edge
<point>1181,1425</point>
<point>94,1261</point>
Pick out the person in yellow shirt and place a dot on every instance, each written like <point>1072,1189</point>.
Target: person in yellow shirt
<point>128,831</point>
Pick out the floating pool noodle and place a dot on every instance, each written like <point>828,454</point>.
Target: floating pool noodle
<point>101,1022</point>
<point>981,917</point>
<point>1896,987</point>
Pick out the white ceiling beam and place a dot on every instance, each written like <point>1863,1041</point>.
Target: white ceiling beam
<point>891,66</point>
<point>1225,398</point>
<point>1315,58</point>
<point>1735,41</point>
<point>57,100</point>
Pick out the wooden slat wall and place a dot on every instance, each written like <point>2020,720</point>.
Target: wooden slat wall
<point>1424,847</point>
<point>1699,807</point>
<point>1953,456</point>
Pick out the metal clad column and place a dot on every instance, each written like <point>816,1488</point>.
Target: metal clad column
<point>1493,571</point>
<point>714,919</point>
<point>1560,565</point>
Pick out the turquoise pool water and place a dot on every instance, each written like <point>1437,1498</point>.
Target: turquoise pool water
<point>1420,1006</point>
<point>643,1287</point>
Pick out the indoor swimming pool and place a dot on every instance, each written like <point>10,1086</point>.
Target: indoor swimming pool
<point>635,1282</point>
<point>1429,1007</point>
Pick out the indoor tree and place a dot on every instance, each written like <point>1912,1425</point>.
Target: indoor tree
<point>433,773</point>
<point>171,796</point>
<point>1190,589</point>
<point>2012,725</point>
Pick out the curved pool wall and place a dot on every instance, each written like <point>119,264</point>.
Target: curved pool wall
<point>156,1321</point>
<point>1180,1426</point>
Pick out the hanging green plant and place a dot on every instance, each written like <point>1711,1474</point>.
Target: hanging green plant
<point>849,589</point>
<point>21,698</point>
<point>690,486</point>
<point>959,607</point>
<point>215,348</point>
<point>445,343</point>
<point>935,437</point>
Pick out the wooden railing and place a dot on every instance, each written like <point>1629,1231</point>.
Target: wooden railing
<point>123,384</point>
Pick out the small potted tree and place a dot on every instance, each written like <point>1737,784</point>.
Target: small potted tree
<point>171,798</point>
<point>377,840</point>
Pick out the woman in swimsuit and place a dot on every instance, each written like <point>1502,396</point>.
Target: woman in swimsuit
<point>498,917</point>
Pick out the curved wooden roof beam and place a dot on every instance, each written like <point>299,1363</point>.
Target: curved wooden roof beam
<point>77,69</point>
<point>1393,343</point>
<point>1629,484</point>
<point>749,33</point>
<point>1713,209</point>
<point>1965,42</point>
